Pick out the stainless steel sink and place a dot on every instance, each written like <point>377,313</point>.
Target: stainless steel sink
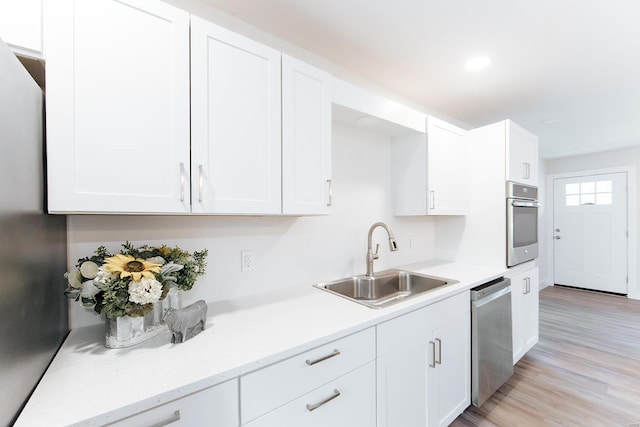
<point>384,288</point>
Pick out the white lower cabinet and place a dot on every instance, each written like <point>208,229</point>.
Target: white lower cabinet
<point>215,406</point>
<point>338,378</point>
<point>525,309</point>
<point>423,365</point>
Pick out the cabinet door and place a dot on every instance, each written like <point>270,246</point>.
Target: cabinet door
<point>216,406</point>
<point>446,172</point>
<point>21,26</point>
<point>530,311</point>
<point>449,370</point>
<point>348,401</point>
<point>306,139</point>
<point>524,312</point>
<point>402,347</point>
<point>522,155</point>
<point>518,290</point>
<point>117,107</point>
<point>402,387</point>
<point>424,362</point>
<point>235,119</point>
<point>428,173</point>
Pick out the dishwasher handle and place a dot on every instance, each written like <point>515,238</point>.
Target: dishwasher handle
<point>492,297</point>
<point>483,291</point>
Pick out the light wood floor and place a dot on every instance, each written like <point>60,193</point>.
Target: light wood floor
<point>584,371</point>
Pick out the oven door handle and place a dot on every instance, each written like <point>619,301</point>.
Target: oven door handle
<point>522,204</point>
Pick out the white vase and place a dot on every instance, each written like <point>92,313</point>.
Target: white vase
<point>127,331</point>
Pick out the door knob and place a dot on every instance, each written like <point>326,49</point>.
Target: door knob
<point>557,237</point>
<point>557,230</point>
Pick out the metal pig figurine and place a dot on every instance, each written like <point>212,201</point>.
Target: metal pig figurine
<point>186,322</point>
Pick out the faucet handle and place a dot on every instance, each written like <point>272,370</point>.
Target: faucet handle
<point>375,255</point>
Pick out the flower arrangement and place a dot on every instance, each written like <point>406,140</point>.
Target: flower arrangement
<point>129,282</point>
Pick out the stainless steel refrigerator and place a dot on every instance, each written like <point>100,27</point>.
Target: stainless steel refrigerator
<point>33,245</point>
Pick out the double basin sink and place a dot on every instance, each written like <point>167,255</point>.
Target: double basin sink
<point>384,288</point>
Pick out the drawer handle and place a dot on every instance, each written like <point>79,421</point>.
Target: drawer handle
<point>173,419</point>
<point>315,406</point>
<point>335,353</point>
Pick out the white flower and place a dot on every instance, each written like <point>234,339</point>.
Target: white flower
<point>103,276</point>
<point>74,278</point>
<point>157,260</point>
<point>89,269</point>
<point>88,293</point>
<point>145,291</point>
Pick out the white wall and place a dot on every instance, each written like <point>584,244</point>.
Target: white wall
<point>609,159</point>
<point>290,251</point>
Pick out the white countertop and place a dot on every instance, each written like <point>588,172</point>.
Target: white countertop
<point>88,384</point>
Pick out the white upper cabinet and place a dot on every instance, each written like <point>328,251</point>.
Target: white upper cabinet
<point>117,107</point>
<point>306,139</point>
<point>522,155</point>
<point>21,26</point>
<point>428,173</point>
<point>235,119</point>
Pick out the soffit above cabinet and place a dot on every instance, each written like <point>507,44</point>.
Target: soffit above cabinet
<point>354,105</point>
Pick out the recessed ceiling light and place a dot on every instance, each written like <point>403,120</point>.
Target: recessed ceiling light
<point>552,121</point>
<point>477,63</point>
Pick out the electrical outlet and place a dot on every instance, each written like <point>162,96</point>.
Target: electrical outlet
<point>248,260</point>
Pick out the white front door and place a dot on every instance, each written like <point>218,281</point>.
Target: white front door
<point>590,232</point>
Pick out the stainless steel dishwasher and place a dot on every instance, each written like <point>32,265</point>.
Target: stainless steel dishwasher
<point>491,339</point>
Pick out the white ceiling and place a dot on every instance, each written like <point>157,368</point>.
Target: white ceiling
<point>577,61</point>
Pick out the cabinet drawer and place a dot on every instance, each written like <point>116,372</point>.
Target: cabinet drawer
<point>348,401</point>
<point>217,405</point>
<point>273,386</point>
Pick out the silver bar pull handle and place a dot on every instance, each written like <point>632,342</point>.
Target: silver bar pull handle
<point>432,202</point>
<point>182,181</point>
<point>524,285</point>
<point>315,406</point>
<point>335,353</point>
<point>439,361</point>
<point>173,419</point>
<point>330,182</point>
<point>433,354</point>
<point>200,182</point>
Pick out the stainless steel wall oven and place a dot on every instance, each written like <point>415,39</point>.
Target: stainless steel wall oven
<point>522,223</point>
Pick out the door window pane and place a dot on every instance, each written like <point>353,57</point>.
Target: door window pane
<point>572,188</point>
<point>588,199</point>
<point>604,186</point>
<point>603,199</point>
<point>587,187</point>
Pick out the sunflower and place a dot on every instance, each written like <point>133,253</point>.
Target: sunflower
<point>128,266</point>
